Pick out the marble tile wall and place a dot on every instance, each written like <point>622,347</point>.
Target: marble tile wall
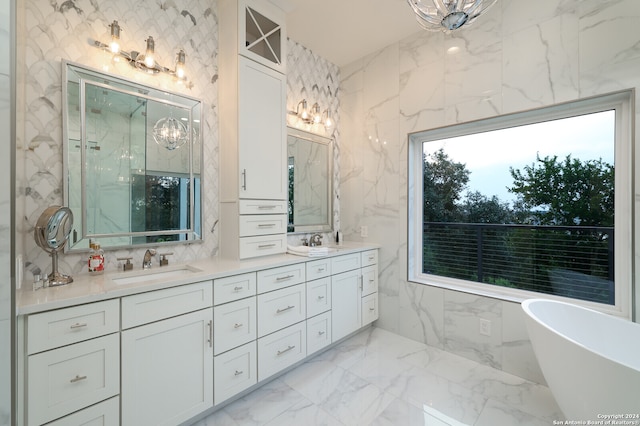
<point>6,203</point>
<point>519,55</point>
<point>52,31</point>
<point>315,79</point>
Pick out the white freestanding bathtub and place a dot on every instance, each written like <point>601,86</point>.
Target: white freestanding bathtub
<point>590,360</point>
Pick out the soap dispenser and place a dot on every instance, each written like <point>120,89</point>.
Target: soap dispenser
<point>96,259</point>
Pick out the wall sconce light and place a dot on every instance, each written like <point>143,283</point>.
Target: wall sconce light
<point>313,116</point>
<point>145,62</point>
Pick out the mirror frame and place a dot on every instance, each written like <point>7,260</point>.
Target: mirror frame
<point>319,139</point>
<point>123,85</point>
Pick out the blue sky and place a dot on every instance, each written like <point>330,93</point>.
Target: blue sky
<point>489,155</point>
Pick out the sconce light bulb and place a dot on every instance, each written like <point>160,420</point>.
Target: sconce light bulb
<point>315,113</point>
<point>149,61</point>
<point>180,64</point>
<point>304,114</point>
<point>328,121</point>
<point>114,46</point>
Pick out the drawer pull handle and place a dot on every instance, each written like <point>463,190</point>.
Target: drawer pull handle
<point>320,333</point>
<point>320,269</point>
<point>288,308</point>
<point>78,325</point>
<point>266,225</point>
<point>77,379</point>
<point>238,288</point>
<point>372,309</point>
<point>244,179</point>
<point>237,325</point>
<point>238,372</point>
<point>371,257</point>
<point>210,337</point>
<point>287,277</point>
<point>270,207</point>
<point>264,246</point>
<point>320,297</point>
<point>286,350</point>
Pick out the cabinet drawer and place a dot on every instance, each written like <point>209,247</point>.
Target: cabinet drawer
<point>160,304</point>
<point>262,245</point>
<point>276,278</point>
<point>318,332</point>
<point>53,329</point>
<point>235,371</point>
<point>263,207</point>
<point>369,309</point>
<point>281,349</point>
<point>68,379</point>
<point>369,280</point>
<point>233,288</point>
<point>345,263</point>
<point>318,296</point>
<point>234,324</point>
<point>251,225</point>
<point>318,269</point>
<point>281,308</point>
<point>369,257</point>
<point>106,413</point>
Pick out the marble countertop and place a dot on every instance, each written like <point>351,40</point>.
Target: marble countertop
<point>88,288</point>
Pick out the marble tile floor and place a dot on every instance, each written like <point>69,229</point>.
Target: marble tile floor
<point>379,378</point>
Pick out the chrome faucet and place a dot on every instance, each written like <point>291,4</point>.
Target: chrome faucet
<point>315,240</point>
<point>146,262</point>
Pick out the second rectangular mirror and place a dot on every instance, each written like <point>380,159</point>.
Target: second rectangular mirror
<point>310,168</point>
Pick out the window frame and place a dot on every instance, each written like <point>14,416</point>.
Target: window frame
<point>623,103</point>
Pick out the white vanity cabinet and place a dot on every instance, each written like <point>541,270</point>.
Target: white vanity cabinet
<point>167,355</point>
<point>73,361</point>
<point>354,292</point>
<point>253,150</point>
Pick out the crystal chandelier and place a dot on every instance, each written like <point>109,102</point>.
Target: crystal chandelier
<point>170,133</point>
<point>448,15</point>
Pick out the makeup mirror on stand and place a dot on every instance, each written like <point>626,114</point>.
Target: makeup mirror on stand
<point>51,234</point>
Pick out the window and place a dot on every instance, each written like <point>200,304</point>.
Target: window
<point>527,205</point>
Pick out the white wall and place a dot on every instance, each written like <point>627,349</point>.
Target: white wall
<point>518,56</point>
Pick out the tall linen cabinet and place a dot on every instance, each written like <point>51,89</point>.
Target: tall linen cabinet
<point>253,156</point>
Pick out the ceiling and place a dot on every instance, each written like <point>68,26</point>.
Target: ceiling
<point>342,31</point>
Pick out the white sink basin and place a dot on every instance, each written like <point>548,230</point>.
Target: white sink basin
<point>155,275</point>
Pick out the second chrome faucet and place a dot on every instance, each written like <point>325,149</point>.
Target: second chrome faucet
<point>146,261</point>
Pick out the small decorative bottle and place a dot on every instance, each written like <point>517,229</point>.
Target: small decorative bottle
<point>96,259</point>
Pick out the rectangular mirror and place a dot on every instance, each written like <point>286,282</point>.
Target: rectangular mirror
<point>310,168</point>
<point>132,158</point>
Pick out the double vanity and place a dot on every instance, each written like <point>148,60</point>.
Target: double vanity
<point>171,344</point>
